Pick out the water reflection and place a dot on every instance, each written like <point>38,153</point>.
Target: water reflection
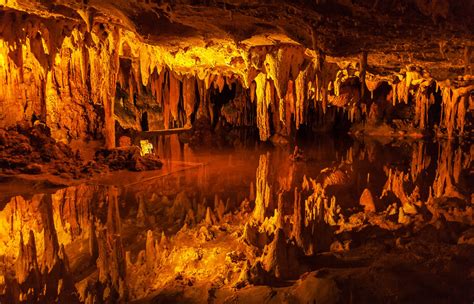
<point>94,234</point>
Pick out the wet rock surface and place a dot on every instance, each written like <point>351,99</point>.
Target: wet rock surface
<point>32,151</point>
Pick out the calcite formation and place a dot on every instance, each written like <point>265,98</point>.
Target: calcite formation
<point>344,219</point>
<point>69,67</point>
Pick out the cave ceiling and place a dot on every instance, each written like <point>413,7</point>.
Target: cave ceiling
<point>437,35</point>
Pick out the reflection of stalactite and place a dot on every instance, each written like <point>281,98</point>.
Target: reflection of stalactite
<point>263,193</point>
<point>420,160</point>
<point>53,281</point>
<point>51,244</point>
<point>298,218</point>
<point>27,270</point>
<point>448,170</point>
<point>396,184</point>
<point>314,218</point>
<point>111,255</point>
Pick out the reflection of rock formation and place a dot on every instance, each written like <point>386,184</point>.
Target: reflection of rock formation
<point>171,237</point>
<point>451,160</point>
<point>263,194</point>
<point>49,280</point>
<point>111,255</point>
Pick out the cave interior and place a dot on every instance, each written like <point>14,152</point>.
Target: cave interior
<point>236,151</point>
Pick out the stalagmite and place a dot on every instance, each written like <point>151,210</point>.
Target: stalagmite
<point>367,201</point>
<point>277,257</point>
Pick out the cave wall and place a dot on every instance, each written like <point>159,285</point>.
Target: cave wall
<point>57,73</point>
<point>79,75</point>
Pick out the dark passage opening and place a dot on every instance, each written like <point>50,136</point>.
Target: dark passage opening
<point>144,121</point>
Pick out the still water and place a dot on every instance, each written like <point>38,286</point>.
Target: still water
<point>197,179</point>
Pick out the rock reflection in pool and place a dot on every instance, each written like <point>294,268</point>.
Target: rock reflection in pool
<point>363,220</point>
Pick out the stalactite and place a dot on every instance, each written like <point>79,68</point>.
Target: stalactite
<point>263,119</point>
<point>298,219</point>
<point>454,108</point>
<point>283,66</point>
<point>394,94</point>
<point>372,85</point>
<point>402,91</point>
<point>269,96</point>
<point>300,99</point>
<point>422,103</point>
<point>175,95</point>
<point>203,100</point>
<point>318,83</point>
<point>252,92</point>
<point>341,77</point>
<point>219,82</point>
<point>159,88</point>
<point>166,102</point>
<point>289,105</point>
<point>362,72</point>
<point>189,97</point>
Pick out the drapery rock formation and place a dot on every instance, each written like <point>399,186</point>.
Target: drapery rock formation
<point>80,67</point>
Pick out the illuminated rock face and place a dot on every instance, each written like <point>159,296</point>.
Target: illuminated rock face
<point>93,64</point>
